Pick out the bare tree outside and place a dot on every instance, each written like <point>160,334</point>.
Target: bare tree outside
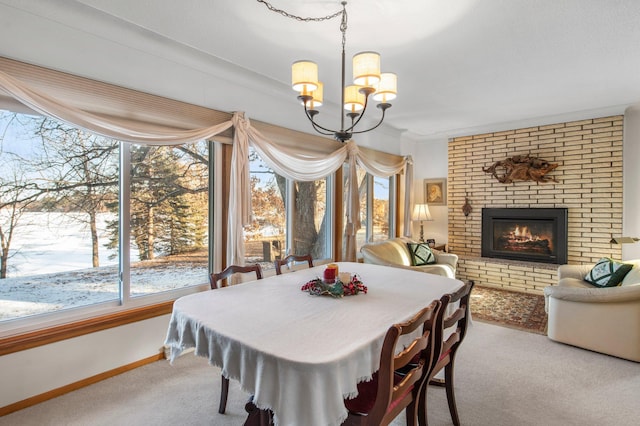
<point>78,172</point>
<point>59,168</point>
<point>15,198</point>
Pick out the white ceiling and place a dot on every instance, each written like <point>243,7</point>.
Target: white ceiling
<point>464,66</point>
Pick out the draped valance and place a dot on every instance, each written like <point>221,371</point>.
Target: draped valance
<point>102,109</point>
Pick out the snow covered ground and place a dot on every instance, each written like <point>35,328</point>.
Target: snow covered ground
<point>23,296</point>
<point>51,269</point>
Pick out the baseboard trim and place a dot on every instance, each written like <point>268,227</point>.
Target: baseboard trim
<point>78,385</point>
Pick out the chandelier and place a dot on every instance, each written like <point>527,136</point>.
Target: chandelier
<point>368,82</point>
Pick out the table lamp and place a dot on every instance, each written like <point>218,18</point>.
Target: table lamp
<point>421,212</point>
<point>624,240</point>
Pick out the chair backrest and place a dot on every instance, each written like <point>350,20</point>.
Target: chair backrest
<point>458,318</point>
<point>230,270</point>
<point>292,258</point>
<point>396,392</point>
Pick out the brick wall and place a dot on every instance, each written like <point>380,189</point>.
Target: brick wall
<point>589,175</point>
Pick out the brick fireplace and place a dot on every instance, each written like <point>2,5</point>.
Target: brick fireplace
<point>589,154</point>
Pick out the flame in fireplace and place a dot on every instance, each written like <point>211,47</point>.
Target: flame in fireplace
<point>522,234</point>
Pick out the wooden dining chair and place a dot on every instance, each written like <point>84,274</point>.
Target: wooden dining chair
<point>445,349</point>
<point>214,278</point>
<point>388,393</point>
<point>279,263</point>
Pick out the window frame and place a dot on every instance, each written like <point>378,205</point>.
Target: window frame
<point>122,307</point>
<point>393,206</point>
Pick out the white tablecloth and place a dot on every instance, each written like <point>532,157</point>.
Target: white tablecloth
<point>300,355</point>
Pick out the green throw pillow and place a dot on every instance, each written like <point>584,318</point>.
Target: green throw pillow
<point>421,254</point>
<point>607,273</point>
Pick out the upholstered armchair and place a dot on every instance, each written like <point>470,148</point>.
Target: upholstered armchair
<point>395,252</point>
<point>605,320</point>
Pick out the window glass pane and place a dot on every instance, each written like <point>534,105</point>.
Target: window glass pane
<point>311,222</point>
<point>361,235</point>
<point>169,217</point>
<point>265,238</point>
<point>376,203</point>
<point>58,192</point>
<point>380,213</point>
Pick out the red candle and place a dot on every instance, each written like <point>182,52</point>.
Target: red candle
<point>329,275</point>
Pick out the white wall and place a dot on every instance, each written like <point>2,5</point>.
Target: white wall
<point>631,181</point>
<point>35,371</point>
<point>430,161</point>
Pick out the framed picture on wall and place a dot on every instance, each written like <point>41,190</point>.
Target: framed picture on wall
<point>435,192</point>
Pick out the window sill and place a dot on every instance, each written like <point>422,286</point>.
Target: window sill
<point>44,336</point>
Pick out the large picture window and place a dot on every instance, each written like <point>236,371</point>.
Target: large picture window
<point>168,204</point>
<point>58,194</point>
<point>60,221</point>
<point>377,203</point>
<point>92,226</point>
<point>287,217</point>
<point>381,218</point>
<point>312,223</point>
<point>265,239</point>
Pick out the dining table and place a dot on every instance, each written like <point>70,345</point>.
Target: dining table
<point>300,355</point>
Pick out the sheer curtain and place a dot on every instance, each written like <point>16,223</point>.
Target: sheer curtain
<point>136,132</point>
<point>303,166</point>
<point>290,162</point>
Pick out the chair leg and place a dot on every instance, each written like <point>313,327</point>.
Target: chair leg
<point>451,397</point>
<point>224,392</point>
<point>422,405</point>
<point>266,418</point>
<point>412,412</point>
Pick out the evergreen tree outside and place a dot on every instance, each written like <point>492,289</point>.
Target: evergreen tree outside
<point>169,208</point>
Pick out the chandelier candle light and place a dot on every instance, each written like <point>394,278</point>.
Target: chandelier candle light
<point>421,213</point>
<point>368,82</point>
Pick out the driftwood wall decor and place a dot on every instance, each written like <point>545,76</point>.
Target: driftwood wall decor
<point>521,168</point>
<point>466,207</point>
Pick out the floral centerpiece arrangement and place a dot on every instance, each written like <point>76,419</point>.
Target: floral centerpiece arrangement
<point>318,287</point>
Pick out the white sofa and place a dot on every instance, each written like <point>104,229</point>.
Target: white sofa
<point>395,252</point>
<point>605,320</point>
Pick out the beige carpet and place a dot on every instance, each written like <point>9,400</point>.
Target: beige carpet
<point>504,377</point>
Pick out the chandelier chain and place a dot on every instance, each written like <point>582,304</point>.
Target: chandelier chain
<point>306,19</point>
<point>343,24</point>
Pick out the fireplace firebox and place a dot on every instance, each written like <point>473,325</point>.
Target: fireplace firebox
<point>533,235</point>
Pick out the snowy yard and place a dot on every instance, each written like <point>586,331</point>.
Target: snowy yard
<point>37,294</point>
<point>50,269</point>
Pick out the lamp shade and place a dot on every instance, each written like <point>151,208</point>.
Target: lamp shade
<point>387,87</point>
<point>624,240</point>
<point>366,69</point>
<point>304,76</point>
<point>316,96</point>
<point>421,212</point>
<point>353,99</point>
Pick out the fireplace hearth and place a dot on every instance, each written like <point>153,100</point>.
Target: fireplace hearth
<point>527,234</point>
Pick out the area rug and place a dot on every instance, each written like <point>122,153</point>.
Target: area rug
<point>512,309</point>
